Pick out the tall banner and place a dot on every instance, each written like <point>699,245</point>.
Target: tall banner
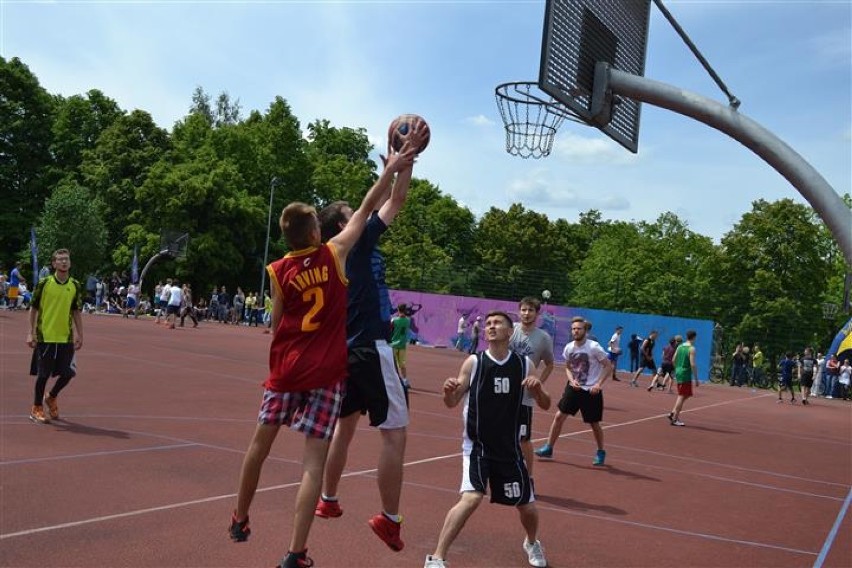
<point>34,253</point>
<point>134,266</point>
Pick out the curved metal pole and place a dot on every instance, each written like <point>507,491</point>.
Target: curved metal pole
<point>149,264</point>
<point>813,187</point>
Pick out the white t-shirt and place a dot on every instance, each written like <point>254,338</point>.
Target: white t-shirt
<point>133,291</point>
<point>845,374</point>
<point>176,295</point>
<point>615,344</point>
<point>461,326</point>
<point>585,361</point>
<point>166,293</point>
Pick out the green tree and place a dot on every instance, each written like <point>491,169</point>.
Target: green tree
<point>80,120</point>
<point>119,164</point>
<point>341,166</point>
<point>428,245</point>
<point>72,219</point>
<point>772,276</point>
<point>26,115</point>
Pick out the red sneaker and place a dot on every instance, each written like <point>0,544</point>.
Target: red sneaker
<point>388,531</point>
<point>328,509</point>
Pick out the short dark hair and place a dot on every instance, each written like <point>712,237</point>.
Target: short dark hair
<point>531,301</point>
<point>296,223</point>
<point>502,314</point>
<point>690,335</point>
<point>330,218</point>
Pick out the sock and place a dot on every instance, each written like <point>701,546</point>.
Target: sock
<point>395,518</point>
<point>325,497</point>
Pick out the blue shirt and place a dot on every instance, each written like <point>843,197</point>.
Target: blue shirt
<point>786,366</point>
<point>369,309</point>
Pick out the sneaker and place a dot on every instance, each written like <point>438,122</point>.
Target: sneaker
<point>52,407</point>
<point>535,553</point>
<point>37,415</point>
<point>600,457</point>
<point>780,401</point>
<point>328,509</point>
<point>239,531</point>
<point>792,401</point>
<point>805,401</point>
<point>388,531</point>
<point>671,416</point>
<point>546,451</point>
<point>677,423</point>
<point>296,560</point>
<point>650,387</point>
<point>432,562</point>
<point>616,379</point>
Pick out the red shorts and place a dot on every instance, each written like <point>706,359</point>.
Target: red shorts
<point>314,412</point>
<point>684,389</point>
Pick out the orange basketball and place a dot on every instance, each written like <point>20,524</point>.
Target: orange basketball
<point>400,128</point>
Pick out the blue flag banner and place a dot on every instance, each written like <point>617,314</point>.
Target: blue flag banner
<point>134,266</point>
<point>34,253</point>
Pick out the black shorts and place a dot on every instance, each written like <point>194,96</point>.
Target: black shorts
<point>510,482</point>
<point>667,369</point>
<point>526,423</point>
<point>648,364</point>
<point>170,309</point>
<point>374,387</point>
<point>807,380</point>
<point>54,360</point>
<point>589,405</point>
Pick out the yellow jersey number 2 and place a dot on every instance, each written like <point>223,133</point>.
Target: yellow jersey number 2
<point>315,296</point>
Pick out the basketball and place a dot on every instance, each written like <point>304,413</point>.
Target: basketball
<point>400,128</point>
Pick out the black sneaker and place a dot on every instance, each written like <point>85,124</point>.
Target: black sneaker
<point>239,531</point>
<point>671,417</point>
<point>296,560</point>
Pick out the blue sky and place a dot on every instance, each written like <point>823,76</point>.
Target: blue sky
<point>362,63</point>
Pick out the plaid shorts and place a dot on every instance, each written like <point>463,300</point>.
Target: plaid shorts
<point>313,412</point>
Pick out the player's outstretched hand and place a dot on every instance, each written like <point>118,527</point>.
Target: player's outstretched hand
<point>395,162</point>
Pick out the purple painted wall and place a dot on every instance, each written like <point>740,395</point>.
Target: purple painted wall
<point>436,322</point>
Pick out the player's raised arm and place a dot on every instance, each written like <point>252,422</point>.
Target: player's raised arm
<point>399,192</point>
<point>349,235</point>
<point>456,387</point>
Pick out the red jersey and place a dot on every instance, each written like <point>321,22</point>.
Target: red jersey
<point>308,348</point>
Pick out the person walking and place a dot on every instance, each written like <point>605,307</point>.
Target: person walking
<point>474,335</point>
<point>400,324</point>
<point>588,368</point>
<point>304,388</point>
<point>56,333</point>
<point>686,374</point>
<point>533,342</point>
<point>646,354</point>
<point>493,384</point>
<point>786,366</point>
<point>614,351</point>
<point>807,368</point>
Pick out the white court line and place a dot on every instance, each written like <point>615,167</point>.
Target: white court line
<point>832,534</point>
<point>139,512</point>
<point>98,454</point>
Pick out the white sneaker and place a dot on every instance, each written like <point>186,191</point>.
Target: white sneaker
<point>432,562</point>
<point>535,553</point>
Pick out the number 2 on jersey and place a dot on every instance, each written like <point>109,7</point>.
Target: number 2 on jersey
<point>312,295</point>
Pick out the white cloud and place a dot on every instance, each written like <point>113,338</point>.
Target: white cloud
<point>591,150</point>
<point>538,191</point>
<point>479,120</point>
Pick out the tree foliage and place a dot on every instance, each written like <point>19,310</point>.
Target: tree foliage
<point>72,219</point>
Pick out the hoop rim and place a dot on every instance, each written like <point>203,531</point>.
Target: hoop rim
<point>502,91</point>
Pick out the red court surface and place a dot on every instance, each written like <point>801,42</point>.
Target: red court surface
<point>142,469</point>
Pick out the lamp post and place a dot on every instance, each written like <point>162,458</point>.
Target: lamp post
<point>272,183</point>
<point>545,294</point>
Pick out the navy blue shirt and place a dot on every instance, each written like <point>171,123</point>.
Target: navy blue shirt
<point>786,366</point>
<point>369,309</point>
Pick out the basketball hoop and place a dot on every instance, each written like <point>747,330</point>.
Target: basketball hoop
<point>174,243</point>
<point>531,118</point>
<point>829,310</point>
